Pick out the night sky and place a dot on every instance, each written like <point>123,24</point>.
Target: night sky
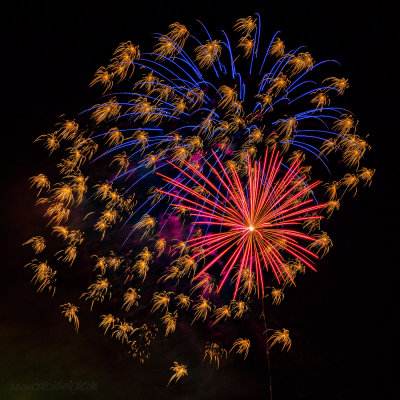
<point>341,318</point>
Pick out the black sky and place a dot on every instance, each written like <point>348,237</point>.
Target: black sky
<point>342,317</point>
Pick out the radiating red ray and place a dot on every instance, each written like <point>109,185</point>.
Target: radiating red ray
<point>255,220</point>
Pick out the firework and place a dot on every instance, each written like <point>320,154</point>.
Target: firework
<point>255,219</point>
<point>169,320</point>
<point>107,322</point>
<point>199,159</point>
<point>277,295</point>
<point>44,276</point>
<point>70,312</point>
<point>38,243</point>
<point>222,313</point>
<point>214,352</point>
<point>131,298</point>
<point>281,337</point>
<point>179,371</point>
<point>161,301</point>
<point>242,346</point>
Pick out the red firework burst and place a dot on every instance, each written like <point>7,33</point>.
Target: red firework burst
<point>250,224</point>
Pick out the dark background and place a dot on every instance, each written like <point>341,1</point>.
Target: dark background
<point>341,318</point>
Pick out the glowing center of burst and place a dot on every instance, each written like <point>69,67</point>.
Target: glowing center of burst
<point>251,228</point>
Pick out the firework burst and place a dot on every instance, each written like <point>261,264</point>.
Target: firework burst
<point>200,162</point>
<point>255,221</point>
